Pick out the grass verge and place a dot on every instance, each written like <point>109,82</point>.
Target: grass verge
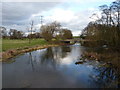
<point>8,44</point>
<point>11,48</point>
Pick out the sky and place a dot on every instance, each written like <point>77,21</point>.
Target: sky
<point>72,14</point>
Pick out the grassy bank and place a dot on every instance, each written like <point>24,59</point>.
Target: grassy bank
<point>11,48</point>
<point>8,44</point>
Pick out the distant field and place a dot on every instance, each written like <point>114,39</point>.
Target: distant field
<point>76,36</point>
<point>18,43</point>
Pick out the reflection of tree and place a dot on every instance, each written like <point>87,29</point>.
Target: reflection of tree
<point>65,51</point>
<point>53,55</point>
<point>31,61</point>
<point>107,76</point>
<point>48,58</point>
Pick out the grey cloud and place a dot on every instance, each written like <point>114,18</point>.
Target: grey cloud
<point>18,13</point>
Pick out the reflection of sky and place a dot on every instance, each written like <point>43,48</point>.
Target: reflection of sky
<point>71,56</point>
<point>53,67</point>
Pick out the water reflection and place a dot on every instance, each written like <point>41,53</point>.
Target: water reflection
<point>107,71</point>
<point>59,67</point>
<point>107,76</point>
<point>51,57</point>
<point>31,61</point>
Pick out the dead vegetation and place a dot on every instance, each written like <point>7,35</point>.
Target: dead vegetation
<point>11,53</point>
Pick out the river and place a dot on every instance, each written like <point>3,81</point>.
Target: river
<point>56,67</point>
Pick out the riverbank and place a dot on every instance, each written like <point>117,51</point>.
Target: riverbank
<point>14,47</point>
<point>14,52</point>
<point>99,51</point>
<point>111,57</point>
<point>108,55</point>
<point>8,44</point>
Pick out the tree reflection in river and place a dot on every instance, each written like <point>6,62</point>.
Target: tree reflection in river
<point>106,76</point>
<point>107,73</point>
<point>53,55</point>
<point>50,57</point>
<point>31,61</point>
<point>55,67</point>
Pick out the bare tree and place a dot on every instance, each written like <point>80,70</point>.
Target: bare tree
<point>31,30</point>
<point>46,32</point>
<point>50,30</point>
<point>3,32</point>
<point>106,28</point>
<point>116,9</point>
<point>15,34</point>
<point>66,34</point>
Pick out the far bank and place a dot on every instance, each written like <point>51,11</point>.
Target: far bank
<point>12,48</point>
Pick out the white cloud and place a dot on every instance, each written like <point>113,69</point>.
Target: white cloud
<point>74,21</point>
<point>61,15</point>
<point>77,33</point>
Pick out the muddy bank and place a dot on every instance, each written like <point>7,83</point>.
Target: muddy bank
<point>109,57</point>
<point>4,56</point>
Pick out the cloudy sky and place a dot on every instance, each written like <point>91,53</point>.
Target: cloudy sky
<point>72,14</point>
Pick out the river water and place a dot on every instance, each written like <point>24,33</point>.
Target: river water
<point>56,67</point>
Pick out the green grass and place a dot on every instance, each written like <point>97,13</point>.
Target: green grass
<point>76,36</point>
<point>8,44</point>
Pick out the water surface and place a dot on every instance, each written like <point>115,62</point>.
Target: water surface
<point>55,68</point>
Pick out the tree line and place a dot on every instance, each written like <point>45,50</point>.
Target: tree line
<point>106,29</point>
<point>48,32</point>
<point>54,30</point>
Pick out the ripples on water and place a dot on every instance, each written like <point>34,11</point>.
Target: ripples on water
<point>55,67</point>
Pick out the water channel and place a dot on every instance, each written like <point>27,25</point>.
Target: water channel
<point>56,67</point>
